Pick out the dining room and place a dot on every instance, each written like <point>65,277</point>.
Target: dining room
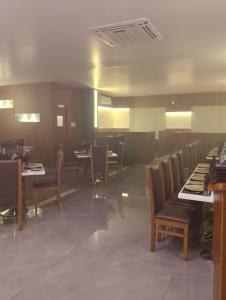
<point>112,150</point>
<point>50,138</point>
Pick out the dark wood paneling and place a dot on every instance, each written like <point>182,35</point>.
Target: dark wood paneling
<point>140,146</point>
<point>181,101</point>
<point>171,140</point>
<point>42,98</point>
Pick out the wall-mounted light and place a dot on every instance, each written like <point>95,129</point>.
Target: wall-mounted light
<point>28,118</point>
<point>178,113</point>
<point>60,121</point>
<point>113,108</point>
<point>6,104</point>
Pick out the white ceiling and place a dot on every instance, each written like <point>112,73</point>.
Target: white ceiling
<point>47,40</point>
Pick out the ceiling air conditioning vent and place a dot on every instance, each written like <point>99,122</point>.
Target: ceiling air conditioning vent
<point>127,33</point>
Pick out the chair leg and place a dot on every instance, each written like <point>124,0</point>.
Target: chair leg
<point>185,244</point>
<point>35,199</point>
<point>158,234</point>
<point>20,215</point>
<point>153,234</point>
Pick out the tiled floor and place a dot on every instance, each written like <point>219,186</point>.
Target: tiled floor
<point>98,248</point>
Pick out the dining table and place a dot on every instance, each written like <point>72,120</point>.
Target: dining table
<point>33,169</point>
<point>213,153</point>
<point>194,188</point>
<point>83,158</point>
<point>30,170</point>
<point>85,155</point>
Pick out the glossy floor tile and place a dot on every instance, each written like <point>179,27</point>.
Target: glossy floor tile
<point>97,247</point>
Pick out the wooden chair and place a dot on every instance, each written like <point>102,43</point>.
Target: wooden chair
<point>11,194</point>
<point>99,166</point>
<point>180,156</point>
<point>50,185</point>
<point>170,179</point>
<point>119,161</point>
<point>166,219</point>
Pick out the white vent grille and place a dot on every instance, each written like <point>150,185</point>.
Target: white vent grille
<point>127,33</point>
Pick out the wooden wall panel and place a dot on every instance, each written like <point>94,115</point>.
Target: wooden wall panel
<point>140,146</point>
<point>42,98</point>
<point>181,101</point>
<point>170,140</point>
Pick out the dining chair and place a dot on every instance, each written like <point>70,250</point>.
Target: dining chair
<point>174,165</point>
<point>11,193</point>
<point>53,185</point>
<point>166,219</point>
<point>172,188</point>
<point>119,161</point>
<point>180,156</point>
<point>99,166</point>
<point>192,157</point>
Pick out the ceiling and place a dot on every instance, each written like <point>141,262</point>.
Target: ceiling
<point>48,41</point>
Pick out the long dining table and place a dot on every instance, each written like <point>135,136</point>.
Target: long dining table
<point>216,194</point>
<point>193,189</point>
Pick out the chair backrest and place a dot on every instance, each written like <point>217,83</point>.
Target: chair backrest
<point>10,182</point>
<point>155,188</point>
<point>176,171</point>
<point>192,158</point>
<point>122,147</point>
<point>59,164</point>
<point>98,154</point>
<point>167,171</point>
<point>196,152</point>
<point>180,156</point>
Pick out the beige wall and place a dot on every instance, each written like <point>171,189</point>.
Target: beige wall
<point>178,120</point>
<point>113,118</point>
<point>148,112</point>
<point>209,119</point>
<point>147,119</point>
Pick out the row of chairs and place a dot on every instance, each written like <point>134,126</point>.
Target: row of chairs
<point>165,177</point>
<point>193,153</point>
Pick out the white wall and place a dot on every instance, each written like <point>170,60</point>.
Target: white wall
<point>147,119</point>
<point>178,120</point>
<point>209,119</point>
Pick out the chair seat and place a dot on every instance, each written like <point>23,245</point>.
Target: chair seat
<point>45,184</point>
<point>174,200</point>
<point>175,213</point>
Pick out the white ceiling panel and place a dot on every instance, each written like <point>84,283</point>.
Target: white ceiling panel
<point>48,40</point>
